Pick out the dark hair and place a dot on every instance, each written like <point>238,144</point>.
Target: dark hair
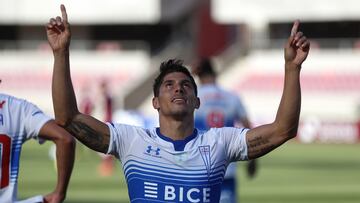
<point>205,67</point>
<point>171,66</point>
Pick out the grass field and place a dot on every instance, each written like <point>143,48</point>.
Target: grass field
<point>314,173</point>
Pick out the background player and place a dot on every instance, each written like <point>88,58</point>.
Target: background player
<point>175,162</point>
<point>20,121</point>
<point>220,108</point>
<point>101,107</point>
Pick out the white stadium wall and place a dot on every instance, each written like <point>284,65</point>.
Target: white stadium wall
<point>264,11</point>
<point>80,11</point>
<point>330,91</point>
<point>29,74</point>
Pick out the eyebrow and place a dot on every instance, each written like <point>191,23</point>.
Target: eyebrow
<point>182,81</point>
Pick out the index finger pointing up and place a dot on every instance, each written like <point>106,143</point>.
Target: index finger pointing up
<point>295,27</point>
<point>63,13</point>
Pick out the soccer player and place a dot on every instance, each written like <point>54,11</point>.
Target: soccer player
<point>20,121</point>
<point>220,108</point>
<point>175,162</point>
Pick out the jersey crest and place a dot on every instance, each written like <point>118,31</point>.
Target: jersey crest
<point>205,154</point>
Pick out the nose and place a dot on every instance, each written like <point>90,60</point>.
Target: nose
<point>179,88</point>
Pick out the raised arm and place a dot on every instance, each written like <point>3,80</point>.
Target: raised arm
<point>88,130</point>
<point>263,139</point>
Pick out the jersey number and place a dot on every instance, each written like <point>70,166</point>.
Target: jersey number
<point>215,119</point>
<point>5,143</point>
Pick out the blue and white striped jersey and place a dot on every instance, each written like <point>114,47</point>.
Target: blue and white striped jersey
<point>19,121</point>
<point>158,169</point>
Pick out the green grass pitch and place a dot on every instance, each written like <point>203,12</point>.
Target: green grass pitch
<point>296,173</point>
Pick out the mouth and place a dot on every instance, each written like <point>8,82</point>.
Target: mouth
<point>178,100</point>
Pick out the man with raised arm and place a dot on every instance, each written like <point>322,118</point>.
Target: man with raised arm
<point>175,162</point>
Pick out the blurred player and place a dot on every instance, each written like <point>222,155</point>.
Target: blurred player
<point>103,110</point>
<point>19,122</point>
<point>101,107</point>
<point>175,162</point>
<point>220,108</point>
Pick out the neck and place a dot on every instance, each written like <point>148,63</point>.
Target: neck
<point>176,129</point>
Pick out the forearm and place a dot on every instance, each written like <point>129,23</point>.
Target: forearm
<point>287,118</point>
<point>65,106</point>
<point>86,129</point>
<point>91,132</point>
<point>65,154</point>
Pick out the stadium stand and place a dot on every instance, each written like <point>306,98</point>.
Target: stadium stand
<point>245,37</point>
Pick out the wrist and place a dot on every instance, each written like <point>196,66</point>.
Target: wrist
<point>290,66</point>
<point>60,193</point>
<point>61,52</point>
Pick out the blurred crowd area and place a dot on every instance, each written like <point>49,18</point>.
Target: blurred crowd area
<point>121,43</point>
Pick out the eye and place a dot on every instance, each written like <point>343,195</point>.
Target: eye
<point>187,85</point>
<point>168,85</point>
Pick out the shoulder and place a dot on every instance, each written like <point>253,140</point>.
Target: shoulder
<point>10,103</point>
<point>130,130</point>
<point>13,101</point>
<point>5,98</point>
<point>223,131</point>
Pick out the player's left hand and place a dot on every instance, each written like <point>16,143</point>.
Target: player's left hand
<point>297,47</point>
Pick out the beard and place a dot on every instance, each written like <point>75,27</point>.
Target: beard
<point>178,114</point>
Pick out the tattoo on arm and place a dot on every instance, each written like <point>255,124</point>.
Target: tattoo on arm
<point>89,136</point>
<point>259,146</point>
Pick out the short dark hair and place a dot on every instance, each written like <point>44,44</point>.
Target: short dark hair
<point>171,66</point>
<point>204,68</point>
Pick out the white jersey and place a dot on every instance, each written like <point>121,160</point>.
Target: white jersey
<point>19,121</point>
<point>219,108</point>
<point>158,169</point>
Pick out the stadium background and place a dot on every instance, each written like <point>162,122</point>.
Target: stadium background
<point>123,42</point>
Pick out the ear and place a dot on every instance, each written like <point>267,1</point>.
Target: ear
<point>155,103</point>
<point>197,104</point>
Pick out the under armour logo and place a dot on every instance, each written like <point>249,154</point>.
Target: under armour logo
<point>156,151</point>
<point>2,104</point>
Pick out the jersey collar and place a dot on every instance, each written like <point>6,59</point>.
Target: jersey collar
<point>179,145</point>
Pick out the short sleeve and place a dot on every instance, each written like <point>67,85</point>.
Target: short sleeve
<point>33,119</point>
<point>235,143</point>
<point>121,138</point>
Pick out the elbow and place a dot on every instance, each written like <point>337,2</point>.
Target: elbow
<point>63,120</point>
<point>287,132</point>
<point>60,122</point>
<point>66,140</point>
<point>292,135</point>
<point>291,132</point>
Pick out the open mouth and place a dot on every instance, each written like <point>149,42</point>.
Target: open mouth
<point>178,100</point>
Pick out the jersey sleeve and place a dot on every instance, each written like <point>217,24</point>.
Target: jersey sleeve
<point>122,136</point>
<point>33,119</point>
<point>235,143</point>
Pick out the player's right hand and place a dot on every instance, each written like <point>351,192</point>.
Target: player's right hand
<point>54,197</point>
<point>297,47</point>
<point>58,31</point>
